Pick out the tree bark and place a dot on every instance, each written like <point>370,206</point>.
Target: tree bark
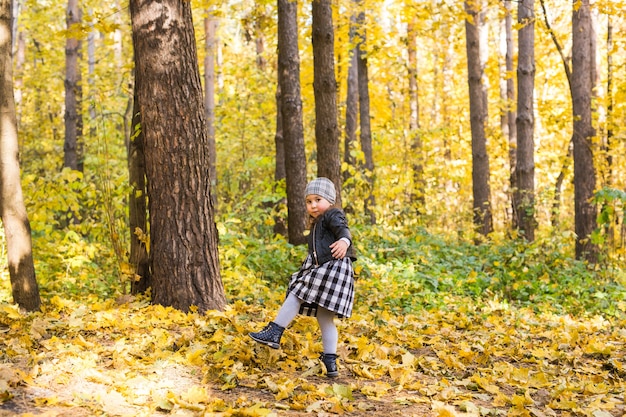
<point>584,171</point>
<point>507,94</point>
<point>183,234</point>
<point>352,105</point>
<point>417,192</point>
<point>280,225</point>
<point>291,107</point>
<point>364,115</point>
<point>72,148</point>
<point>610,122</point>
<point>210,30</point>
<point>352,110</point>
<point>138,205</point>
<point>17,231</point>
<point>325,90</point>
<point>478,113</point>
<point>524,194</point>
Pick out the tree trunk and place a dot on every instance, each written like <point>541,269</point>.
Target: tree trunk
<point>584,171</point>
<point>610,102</point>
<point>325,90</point>
<point>291,107</point>
<point>417,192</point>
<point>524,194</point>
<point>138,205</point>
<point>91,69</point>
<point>352,110</point>
<point>478,112</point>
<point>183,234</point>
<point>352,105</point>
<point>507,94</point>
<point>364,116</point>
<point>280,226</point>
<point>72,148</point>
<point>558,186</point>
<point>210,30</point>
<point>12,209</point>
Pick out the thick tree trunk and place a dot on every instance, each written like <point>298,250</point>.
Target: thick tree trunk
<point>325,90</point>
<point>478,113</point>
<point>291,107</point>
<point>72,148</point>
<point>183,234</point>
<point>12,209</point>
<point>584,171</point>
<point>524,194</point>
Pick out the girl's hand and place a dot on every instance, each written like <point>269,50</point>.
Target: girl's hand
<point>339,249</point>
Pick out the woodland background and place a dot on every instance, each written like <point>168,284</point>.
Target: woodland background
<point>499,326</point>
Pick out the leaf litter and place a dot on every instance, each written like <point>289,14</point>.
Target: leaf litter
<point>130,358</point>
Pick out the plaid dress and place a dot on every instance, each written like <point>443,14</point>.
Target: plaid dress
<point>330,285</point>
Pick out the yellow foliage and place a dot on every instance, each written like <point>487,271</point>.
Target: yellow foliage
<point>141,354</point>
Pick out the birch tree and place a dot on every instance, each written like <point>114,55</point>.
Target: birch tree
<point>12,209</point>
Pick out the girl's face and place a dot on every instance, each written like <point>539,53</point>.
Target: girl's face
<point>316,205</point>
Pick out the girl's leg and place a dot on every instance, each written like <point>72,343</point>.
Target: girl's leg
<point>326,320</point>
<point>288,311</point>
<point>273,332</point>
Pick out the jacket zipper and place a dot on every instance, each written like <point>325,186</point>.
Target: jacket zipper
<point>314,247</point>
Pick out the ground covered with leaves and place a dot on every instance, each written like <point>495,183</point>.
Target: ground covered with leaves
<point>421,342</point>
<point>128,358</point>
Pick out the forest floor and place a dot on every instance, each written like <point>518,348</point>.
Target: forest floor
<point>129,358</point>
<point>83,395</point>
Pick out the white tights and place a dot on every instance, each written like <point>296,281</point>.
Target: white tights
<point>325,319</point>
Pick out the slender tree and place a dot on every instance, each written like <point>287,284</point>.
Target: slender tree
<point>183,235</point>
<point>12,209</point>
<point>280,174</point>
<point>73,148</point>
<point>558,186</point>
<point>478,114</point>
<point>417,192</point>
<point>524,194</point>
<point>584,171</point>
<point>210,29</point>
<point>325,90</point>
<point>364,113</point>
<point>507,96</point>
<point>610,100</point>
<point>291,109</point>
<point>607,180</point>
<point>352,104</point>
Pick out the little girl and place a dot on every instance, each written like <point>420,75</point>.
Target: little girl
<point>324,285</point>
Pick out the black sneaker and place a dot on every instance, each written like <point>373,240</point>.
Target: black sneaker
<point>269,336</point>
<point>330,360</point>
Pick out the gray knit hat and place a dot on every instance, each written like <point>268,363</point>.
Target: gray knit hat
<point>323,187</point>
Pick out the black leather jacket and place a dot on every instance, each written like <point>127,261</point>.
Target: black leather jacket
<point>327,229</point>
